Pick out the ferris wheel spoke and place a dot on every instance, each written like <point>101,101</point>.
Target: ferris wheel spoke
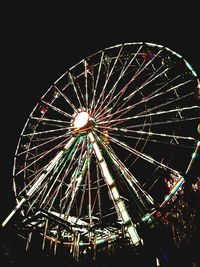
<point>41,194</point>
<point>141,69</point>
<point>177,110</point>
<point>83,193</point>
<point>171,84</point>
<point>92,88</point>
<point>43,155</point>
<point>118,203</point>
<point>55,177</point>
<point>34,202</point>
<point>142,155</point>
<point>144,200</point>
<point>47,132</point>
<point>39,181</point>
<point>113,89</point>
<point>149,133</point>
<point>65,98</point>
<point>170,141</point>
<point>86,83</point>
<point>99,194</point>
<point>93,103</point>
<point>171,89</point>
<point>129,108</point>
<point>57,109</point>
<point>108,97</point>
<point>89,183</point>
<point>121,112</point>
<point>122,74</point>
<point>101,94</point>
<point>128,98</point>
<point>147,82</point>
<point>77,182</point>
<point>53,125</point>
<point>133,78</point>
<point>60,123</point>
<point>40,143</point>
<point>164,112</point>
<point>145,100</point>
<point>101,98</point>
<point>54,190</point>
<point>99,69</point>
<point>31,180</point>
<point>76,89</point>
<point>39,156</point>
<point>111,135</point>
<point>176,100</point>
<point>36,139</point>
<point>182,120</point>
<point>118,163</point>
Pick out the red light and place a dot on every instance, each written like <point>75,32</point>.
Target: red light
<point>43,109</point>
<point>148,55</point>
<point>105,137</point>
<point>88,67</point>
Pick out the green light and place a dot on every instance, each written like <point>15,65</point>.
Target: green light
<point>146,217</point>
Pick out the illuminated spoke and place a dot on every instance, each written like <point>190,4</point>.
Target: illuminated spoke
<point>143,100</point>
<point>58,187</point>
<point>122,74</point>
<point>41,144</point>
<point>165,122</point>
<point>75,182</point>
<point>150,114</point>
<point>57,109</point>
<point>65,97</point>
<point>76,89</point>
<point>86,84</point>
<point>141,155</point>
<point>141,132</point>
<point>43,155</point>
<point>174,141</point>
<point>58,122</point>
<point>33,179</point>
<point>133,78</point>
<point>46,132</point>
<point>101,98</point>
<point>93,104</point>
<point>169,102</point>
<point>148,81</point>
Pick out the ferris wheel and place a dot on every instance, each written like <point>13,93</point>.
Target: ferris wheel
<point>108,145</point>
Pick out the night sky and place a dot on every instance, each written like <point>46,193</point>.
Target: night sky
<point>40,43</point>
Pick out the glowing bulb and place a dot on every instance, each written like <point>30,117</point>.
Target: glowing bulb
<point>198,128</point>
<point>81,120</point>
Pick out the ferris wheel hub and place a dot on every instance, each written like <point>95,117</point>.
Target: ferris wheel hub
<point>81,120</point>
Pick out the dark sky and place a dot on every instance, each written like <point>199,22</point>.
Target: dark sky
<point>41,43</point>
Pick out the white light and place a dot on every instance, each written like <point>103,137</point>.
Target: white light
<point>81,120</point>
<point>134,235</point>
<point>115,193</point>
<point>157,262</point>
